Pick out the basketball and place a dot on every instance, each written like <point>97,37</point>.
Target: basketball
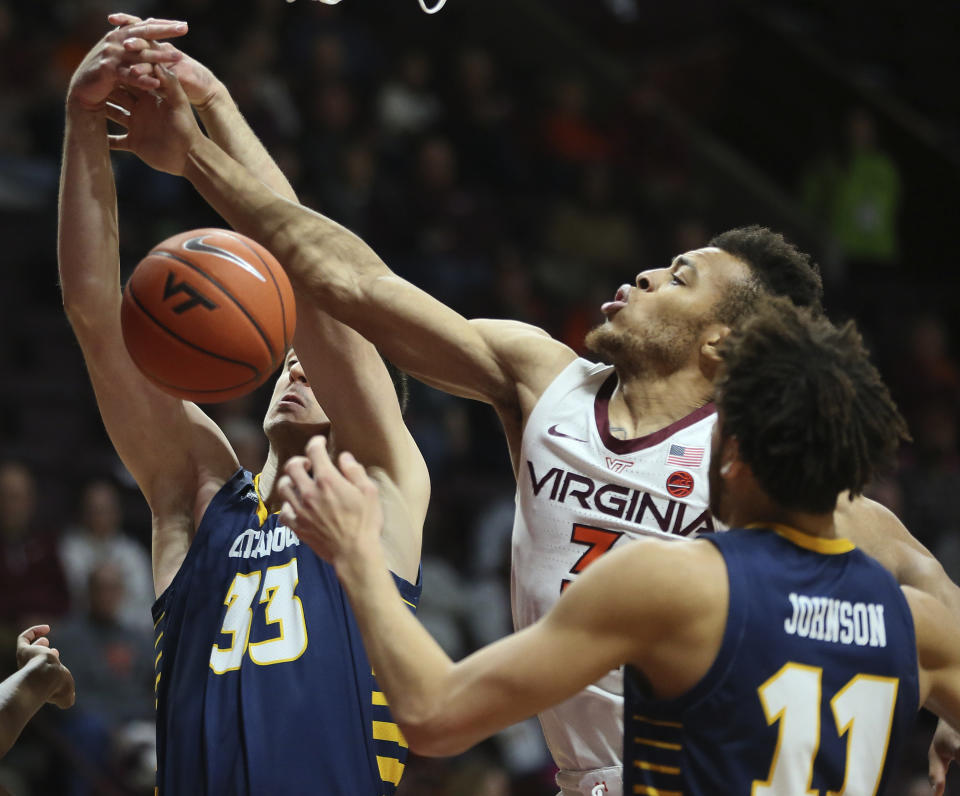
<point>208,315</point>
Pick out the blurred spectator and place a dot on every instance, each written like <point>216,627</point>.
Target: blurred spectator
<point>452,229</point>
<point>357,195</point>
<point>570,134</point>
<point>654,157</point>
<point>925,371</point>
<point>332,126</point>
<point>113,669</point>
<point>99,538</point>
<point>930,480</point>
<point>858,195</point>
<point>266,99</point>
<point>407,104</point>
<point>33,583</point>
<point>589,238</point>
<point>480,121</point>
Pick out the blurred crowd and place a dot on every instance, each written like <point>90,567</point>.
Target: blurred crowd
<point>507,181</point>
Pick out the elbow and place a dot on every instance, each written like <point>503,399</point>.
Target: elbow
<point>431,739</point>
<point>431,729</point>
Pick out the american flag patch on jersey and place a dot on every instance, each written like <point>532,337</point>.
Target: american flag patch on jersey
<point>685,456</point>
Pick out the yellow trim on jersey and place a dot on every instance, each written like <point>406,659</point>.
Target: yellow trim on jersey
<point>158,659</point>
<point>658,744</point>
<point>657,722</point>
<point>391,769</point>
<point>647,790</point>
<point>378,698</point>
<point>262,512</point>
<point>155,643</point>
<point>159,619</point>
<point>412,605</point>
<point>388,731</point>
<point>655,767</point>
<point>818,544</point>
<point>156,683</point>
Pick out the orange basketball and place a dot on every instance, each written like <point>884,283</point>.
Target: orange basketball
<point>208,315</point>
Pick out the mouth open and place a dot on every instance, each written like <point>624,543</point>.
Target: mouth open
<point>611,308</point>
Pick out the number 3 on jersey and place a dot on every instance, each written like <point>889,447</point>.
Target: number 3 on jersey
<point>598,542</point>
<point>283,609</point>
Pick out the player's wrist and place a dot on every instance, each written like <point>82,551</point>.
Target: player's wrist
<point>41,673</point>
<point>197,161</point>
<point>216,97</point>
<point>76,106</point>
<point>359,564</point>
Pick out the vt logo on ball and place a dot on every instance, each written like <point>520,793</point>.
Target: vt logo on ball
<point>171,288</point>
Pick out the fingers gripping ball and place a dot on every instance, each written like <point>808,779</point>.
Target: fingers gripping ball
<point>208,315</point>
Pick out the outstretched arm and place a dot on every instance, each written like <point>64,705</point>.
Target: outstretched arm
<point>345,371</point>
<point>876,530</point>
<point>441,707</point>
<point>503,363</point>
<point>625,608</point>
<point>175,453</point>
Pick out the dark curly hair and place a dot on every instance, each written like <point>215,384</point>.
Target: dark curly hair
<point>810,413</point>
<point>779,269</point>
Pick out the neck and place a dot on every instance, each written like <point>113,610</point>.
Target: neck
<point>810,523</point>
<point>647,402</point>
<point>269,475</point>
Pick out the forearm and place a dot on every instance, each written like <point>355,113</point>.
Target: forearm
<point>21,696</point>
<point>411,668</point>
<point>334,269</point>
<point>321,257</point>
<point>88,251</point>
<point>226,125</point>
<point>442,707</point>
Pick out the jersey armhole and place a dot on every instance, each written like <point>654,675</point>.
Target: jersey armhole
<point>733,634</point>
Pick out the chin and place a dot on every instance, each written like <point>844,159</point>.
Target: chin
<point>605,342</point>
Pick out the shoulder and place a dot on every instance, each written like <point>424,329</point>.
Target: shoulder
<point>879,533</point>
<point>658,580</point>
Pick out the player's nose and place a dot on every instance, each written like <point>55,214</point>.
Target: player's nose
<point>648,281</point>
<point>296,372</point>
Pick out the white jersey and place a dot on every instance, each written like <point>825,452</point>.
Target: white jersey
<point>581,491</point>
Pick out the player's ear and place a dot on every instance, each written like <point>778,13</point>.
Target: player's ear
<point>711,339</point>
<point>731,465</point>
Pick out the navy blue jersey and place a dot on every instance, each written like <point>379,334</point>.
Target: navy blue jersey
<point>263,686</point>
<point>814,688</point>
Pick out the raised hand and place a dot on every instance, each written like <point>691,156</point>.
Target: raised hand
<point>160,127</point>
<point>33,643</point>
<point>335,511</point>
<point>944,749</point>
<point>199,84</point>
<point>108,62</point>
